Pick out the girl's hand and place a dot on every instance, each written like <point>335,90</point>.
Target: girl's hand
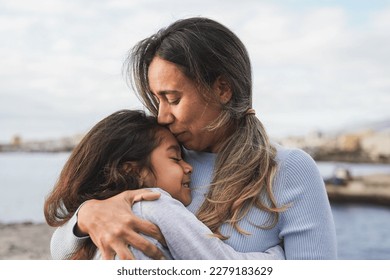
<point>112,225</point>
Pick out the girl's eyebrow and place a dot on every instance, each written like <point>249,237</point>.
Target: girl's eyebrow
<point>175,147</point>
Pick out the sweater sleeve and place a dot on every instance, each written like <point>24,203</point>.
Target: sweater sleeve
<point>188,238</point>
<point>307,226</point>
<point>64,242</point>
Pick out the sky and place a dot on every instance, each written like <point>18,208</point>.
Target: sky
<point>317,65</point>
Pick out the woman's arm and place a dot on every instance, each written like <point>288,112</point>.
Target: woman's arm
<point>307,226</point>
<point>111,225</point>
<point>188,238</point>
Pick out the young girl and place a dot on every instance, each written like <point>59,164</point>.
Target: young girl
<point>129,150</point>
<point>126,150</point>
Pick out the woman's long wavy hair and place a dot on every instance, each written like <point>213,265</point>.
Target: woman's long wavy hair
<point>205,50</point>
<point>96,167</point>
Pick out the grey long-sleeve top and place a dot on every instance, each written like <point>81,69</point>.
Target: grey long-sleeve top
<point>186,237</point>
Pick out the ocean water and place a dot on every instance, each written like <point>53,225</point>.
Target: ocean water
<point>356,169</point>
<point>362,231</point>
<point>26,178</point>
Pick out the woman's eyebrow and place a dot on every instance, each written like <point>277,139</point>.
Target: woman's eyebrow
<point>167,91</point>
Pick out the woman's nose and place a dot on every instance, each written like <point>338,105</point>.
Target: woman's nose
<point>164,116</point>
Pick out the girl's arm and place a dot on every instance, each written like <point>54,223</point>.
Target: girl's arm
<point>64,242</point>
<point>188,238</point>
<point>111,225</point>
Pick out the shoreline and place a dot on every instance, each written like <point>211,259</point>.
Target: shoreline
<point>370,189</point>
<point>25,241</point>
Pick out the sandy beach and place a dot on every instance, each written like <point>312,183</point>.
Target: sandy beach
<point>25,241</point>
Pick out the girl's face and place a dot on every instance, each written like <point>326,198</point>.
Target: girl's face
<point>170,172</point>
<point>182,108</point>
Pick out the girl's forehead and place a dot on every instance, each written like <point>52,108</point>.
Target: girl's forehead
<point>166,137</point>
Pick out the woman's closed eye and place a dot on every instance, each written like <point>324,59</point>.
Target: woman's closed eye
<point>174,101</point>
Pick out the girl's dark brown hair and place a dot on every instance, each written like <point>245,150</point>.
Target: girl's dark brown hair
<point>95,168</point>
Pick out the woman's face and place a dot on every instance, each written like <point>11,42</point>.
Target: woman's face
<point>182,108</point>
<point>170,172</point>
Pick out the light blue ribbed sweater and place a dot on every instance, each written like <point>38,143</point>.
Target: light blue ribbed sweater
<point>306,227</point>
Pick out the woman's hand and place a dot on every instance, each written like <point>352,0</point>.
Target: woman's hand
<point>112,225</point>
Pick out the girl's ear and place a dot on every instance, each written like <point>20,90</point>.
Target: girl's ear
<point>131,167</point>
<point>145,176</point>
<point>222,89</point>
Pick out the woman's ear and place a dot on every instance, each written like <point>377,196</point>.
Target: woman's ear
<point>222,89</point>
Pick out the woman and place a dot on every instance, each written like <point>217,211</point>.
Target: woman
<point>195,76</point>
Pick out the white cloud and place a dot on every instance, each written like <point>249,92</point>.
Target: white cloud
<point>40,6</point>
<point>313,68</point>
<point>324,67</point>
<point>62,45</point>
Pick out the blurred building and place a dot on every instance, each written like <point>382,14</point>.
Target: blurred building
<point>359,146</point>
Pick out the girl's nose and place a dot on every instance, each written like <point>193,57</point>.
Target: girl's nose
<point>187,167</point>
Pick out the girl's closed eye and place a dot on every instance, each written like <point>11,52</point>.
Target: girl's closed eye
<point>177,159</point>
